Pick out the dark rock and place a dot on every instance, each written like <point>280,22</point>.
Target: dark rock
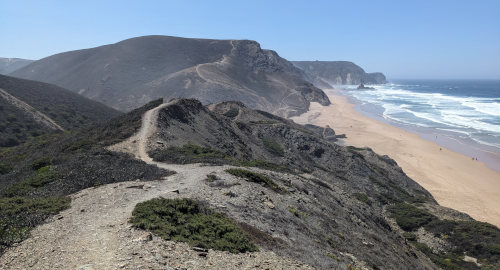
<point>363,87</point>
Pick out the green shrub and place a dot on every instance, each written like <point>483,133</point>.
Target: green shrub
<point>19,214</point>
<point>211,178</point>
<point>410,236</point>
<point>362,198</point>
<point>5,169</point>
<point>255,177</point>
<point>493,249</point>
<point>80,145</point>
<point>409,217</point>
<point>263,164</point>
<point>187,221</point>
<point>43,176</point>
<point>296,212</point>
<point>273,148</point>
<point>232,113</point>
<point>331,243</point>
<point>41,162</point>
<point>188,153</point>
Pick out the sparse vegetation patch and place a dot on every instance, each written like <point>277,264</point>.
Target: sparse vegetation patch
<point>187,221</point>
<point>232,113</point>
<point>256,177</point>
<point>409,217</point>
<point>263,164</point>
<point>362,198</point>
<point>273,148</point>
<point>18,215</point>
<point>43,176</point>
<point>188,153</point>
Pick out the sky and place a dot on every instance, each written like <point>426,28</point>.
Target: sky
<point>436,39</point>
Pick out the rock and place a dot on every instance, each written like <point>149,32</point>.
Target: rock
<point>269,204</point>
<point>199,249</point>
<point>363,87</point>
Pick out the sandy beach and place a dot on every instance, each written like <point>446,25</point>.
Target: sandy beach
<point>455,180</point>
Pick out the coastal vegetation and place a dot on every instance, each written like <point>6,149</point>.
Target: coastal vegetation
<point>186,220</point>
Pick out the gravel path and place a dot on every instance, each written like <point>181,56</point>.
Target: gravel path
<point>95,234</point>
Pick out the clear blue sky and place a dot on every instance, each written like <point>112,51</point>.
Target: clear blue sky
<point>403,39</point>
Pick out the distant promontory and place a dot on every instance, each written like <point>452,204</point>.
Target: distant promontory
<point>324,74</point>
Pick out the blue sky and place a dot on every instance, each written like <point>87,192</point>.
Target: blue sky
<point>403,39</point>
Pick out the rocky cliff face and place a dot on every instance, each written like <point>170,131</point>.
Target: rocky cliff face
<point>130,73</point>
<point>337,73</point>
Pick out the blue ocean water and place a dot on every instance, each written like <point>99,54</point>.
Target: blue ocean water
<point>469,109</point>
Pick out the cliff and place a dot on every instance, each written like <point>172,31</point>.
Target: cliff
<point>337,73</point>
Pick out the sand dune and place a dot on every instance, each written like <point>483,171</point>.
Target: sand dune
<point>455,180</point>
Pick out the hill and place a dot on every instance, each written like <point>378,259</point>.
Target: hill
<point>130,73</point>
<point>8,65</point>
<point>307,201</point>
<point>30,108</point>
<point>338,73</point>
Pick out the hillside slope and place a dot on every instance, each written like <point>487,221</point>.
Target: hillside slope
<point>294,193</point>
<point>130,73</point>
<point>338,73</point>
<point>29,109</point>
<point>8,65</point>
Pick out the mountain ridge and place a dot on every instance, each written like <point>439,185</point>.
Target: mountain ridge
<point>30,108</point>
<point>8,65</point>
<point>132,72</point>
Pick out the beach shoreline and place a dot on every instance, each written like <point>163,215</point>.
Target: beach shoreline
<point>488,155</point>
<point>454,179</point>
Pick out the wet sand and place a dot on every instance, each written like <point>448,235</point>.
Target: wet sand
<point>455,180</point>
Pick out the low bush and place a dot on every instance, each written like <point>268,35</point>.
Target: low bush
<point>263,164</point>
<point>255,177</point>
<point>188,153</point>
<point>43,176</point>
<point>362,198</point>
<point>295,211</point>
<point>409,217</point>
<point>273,148</point>
<point>5,169</point>
<point>41,162</point>
<point>18,215</point>
<point>187,221</point>
<point>232,113</point>
<point>410,236</point>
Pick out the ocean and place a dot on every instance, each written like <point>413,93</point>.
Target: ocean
<point>463,115</point>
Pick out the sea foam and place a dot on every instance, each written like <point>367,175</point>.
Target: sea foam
<point>465,108</point>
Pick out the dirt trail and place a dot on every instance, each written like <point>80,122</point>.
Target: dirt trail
<point>95,234</point>
<point>37,115</point>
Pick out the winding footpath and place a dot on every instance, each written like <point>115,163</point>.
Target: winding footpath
<point>94,232</point>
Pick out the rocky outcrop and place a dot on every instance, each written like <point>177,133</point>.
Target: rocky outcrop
<point>326,133</point>
<point>363,87</point>
<point>337,73</point>
<point>132,72</point>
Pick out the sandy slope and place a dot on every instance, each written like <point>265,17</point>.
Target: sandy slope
<point>455,180</point>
